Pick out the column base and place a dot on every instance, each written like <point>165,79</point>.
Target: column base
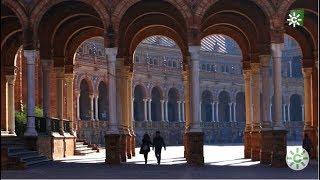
<point>195,148</point>
<point>31,131</point>
<point>123,147</point>
<point>247,144</point>
<point>185,144</point>
<point>112,142</point>
<point>279,152</point>
<point>129,154</point>
<point>255,145</point>
<point>266,146</point>
<point>313,135</point>
<point>133,145</point>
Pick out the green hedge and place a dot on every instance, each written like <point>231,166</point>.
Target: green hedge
<point>21,119</point>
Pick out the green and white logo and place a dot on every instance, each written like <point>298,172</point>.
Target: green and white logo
<point>297,159</point>
<point>296,17</point>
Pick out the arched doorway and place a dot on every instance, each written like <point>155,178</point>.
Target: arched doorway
<point>173,105</point>
<point>156,104</point>
<point>103,102</point>
<point>85,103</point>
<point>138,104</point>
<point>206,106</point>
<point>224,109</point>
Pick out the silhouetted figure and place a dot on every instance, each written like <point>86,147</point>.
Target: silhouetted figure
<point>145,147</point>
<point>306,144</point>
<point>158,143</point>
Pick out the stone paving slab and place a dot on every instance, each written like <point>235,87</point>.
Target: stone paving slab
<point>220,162</point>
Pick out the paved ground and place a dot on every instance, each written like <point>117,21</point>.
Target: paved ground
<point>220,162</point>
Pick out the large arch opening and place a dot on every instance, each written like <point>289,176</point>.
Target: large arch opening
<point>85,102</point>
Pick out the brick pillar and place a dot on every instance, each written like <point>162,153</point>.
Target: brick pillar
<point>112,142</point>
<point>129,148</point>
<point>248,99</point>
<point>133,145</point>
<point>195,148</point>
<point>123,147</point>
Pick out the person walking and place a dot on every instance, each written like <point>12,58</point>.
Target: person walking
<point>145,147</point>
<point>158,143</point>
<point>306,144</point>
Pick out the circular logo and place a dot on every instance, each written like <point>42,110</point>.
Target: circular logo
<point>297,159</point>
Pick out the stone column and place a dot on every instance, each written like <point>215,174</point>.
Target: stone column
<point>162,110</point>
<point>248,99</point>
<point>234,112</point>
<point>288,111</point>
<point>195,134</point>
<point>212,110</point>
<point>183,117</point>
<point>230,112</point>
<point>69,82</point>
<point>112,135</point>
<point>266,131</point>
<point>284,112</point>
<point>270,112</point>
<point>91,106</point>
<point>256,124</point>
<point>279,132</point>
<point>200,112</point>
<point>145,110</point>
<point>30,56</point>
<point>166,109</point>
<point>307,98</point>
<point>46,66</point>
<point>60,97</point>
<point>78,106</point>
<point>302,112</point>
<point>290,68</point>
<point>149,110</point>
<point>97,108</point>
<point>179,111</point>
<point>217,111</point>
<point>132,113</point>
<point>10,103</point>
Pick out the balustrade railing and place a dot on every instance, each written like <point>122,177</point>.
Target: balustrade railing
<point>55,125</point>
<point>40,123</point>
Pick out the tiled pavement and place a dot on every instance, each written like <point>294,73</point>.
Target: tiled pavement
<point>220,162</point>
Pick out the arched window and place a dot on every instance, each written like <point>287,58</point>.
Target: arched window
<point>295,108</point>
<point>206,106</point>
<point>173,105</point>
<point>240,107</point>
<point>138,104</point>
<point>85,103</point>
<point>224,100</point>
<point>103,102</point>
<point>156,104</point>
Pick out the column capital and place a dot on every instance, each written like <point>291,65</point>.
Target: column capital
<point>307,72</point>
<point>111,53</point>
<point>144,99</point>
<point>194,52</point>
<point>255,68</point>
<point>69,78</point>
<point>46,63</point>
<point>247,74</point>
<point>30,56</point>
<point>264,60</point>
<point>59,72</point>
<point>276,49</point>
<point>11,79</point>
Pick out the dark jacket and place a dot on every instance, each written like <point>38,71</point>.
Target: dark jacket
<point>145,146</point>
<point>158,143</point>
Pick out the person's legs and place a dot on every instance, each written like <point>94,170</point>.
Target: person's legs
<point>145,158</point>
<point>158,155</point>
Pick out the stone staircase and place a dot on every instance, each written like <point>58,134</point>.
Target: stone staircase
<point>17,156</point>
<point>84,148</point>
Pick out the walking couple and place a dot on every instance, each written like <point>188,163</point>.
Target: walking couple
<point>156,144</point>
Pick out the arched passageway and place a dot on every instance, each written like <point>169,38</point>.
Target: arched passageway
<point>206,106</point>
<point>85,102</point>
<point>103,102</point>
<point>224,107</point>
<point>138,104</point>
<point>156,104</point>
<point>173,105</point>
<point>296,108</point>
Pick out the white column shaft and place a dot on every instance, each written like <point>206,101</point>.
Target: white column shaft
<point>212,111</point>
<point>179,111</point>
<point>183,115</point>
<point>10,103</point>
<point>91,106</point>
<point>234,113</point>
<point>162,110</point>
<point>288,111</point>
<point>97,108</point>
<point>149,106</point>
<point>230,112</point>
<point>145,110</point>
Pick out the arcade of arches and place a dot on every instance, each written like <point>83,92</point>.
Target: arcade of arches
<point>111,70</point>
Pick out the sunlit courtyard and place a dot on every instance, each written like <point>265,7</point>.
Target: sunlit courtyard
<point>220,161</point>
